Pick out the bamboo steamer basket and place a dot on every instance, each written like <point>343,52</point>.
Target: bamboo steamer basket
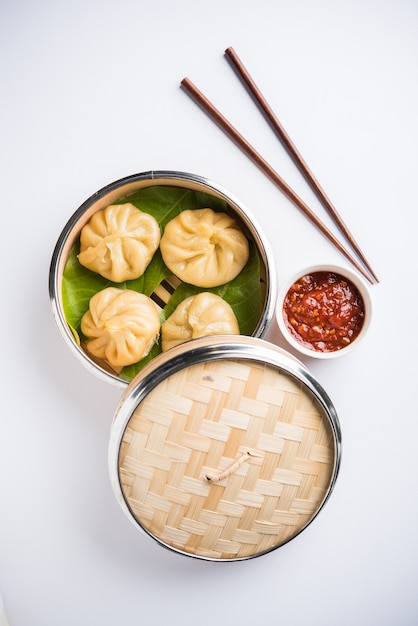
<point>224,448</point>
<point>124,188</point>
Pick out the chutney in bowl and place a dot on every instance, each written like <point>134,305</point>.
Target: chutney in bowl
<point>323,311</point>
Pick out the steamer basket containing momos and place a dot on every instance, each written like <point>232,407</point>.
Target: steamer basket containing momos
<point>154,260</point>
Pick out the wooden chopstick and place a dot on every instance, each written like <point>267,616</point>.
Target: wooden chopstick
<point>295,154</point>
<point>267,169</point>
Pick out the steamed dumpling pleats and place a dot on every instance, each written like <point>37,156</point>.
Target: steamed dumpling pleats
<point>119,242</point>
<point>121,326</point>
<point>198,316</point>
<point>204,248</point>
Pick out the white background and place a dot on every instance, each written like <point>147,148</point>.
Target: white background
<point>90,93</point>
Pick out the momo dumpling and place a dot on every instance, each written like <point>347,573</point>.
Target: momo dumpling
<point>204,248</point>
<point>198,316</point>
<point>121,326</point>
<point>119,242</point>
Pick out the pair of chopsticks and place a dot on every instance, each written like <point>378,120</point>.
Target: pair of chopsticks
<point>255,156</point>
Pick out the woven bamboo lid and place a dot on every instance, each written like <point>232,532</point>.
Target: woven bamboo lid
<point>224,448</point>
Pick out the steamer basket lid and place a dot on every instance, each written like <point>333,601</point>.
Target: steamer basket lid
<point>224,448</point>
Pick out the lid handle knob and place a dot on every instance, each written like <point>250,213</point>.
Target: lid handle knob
<point>216,476</point>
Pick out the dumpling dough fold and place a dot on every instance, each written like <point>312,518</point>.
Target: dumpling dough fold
<point>121,326</point>
<point>198,316</point>
<point>119,242</point>
<point>204,248</point>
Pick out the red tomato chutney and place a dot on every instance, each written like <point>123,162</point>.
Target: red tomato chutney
<point>323,311</point>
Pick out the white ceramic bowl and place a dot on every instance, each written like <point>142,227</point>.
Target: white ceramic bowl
<point>294,340</point>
